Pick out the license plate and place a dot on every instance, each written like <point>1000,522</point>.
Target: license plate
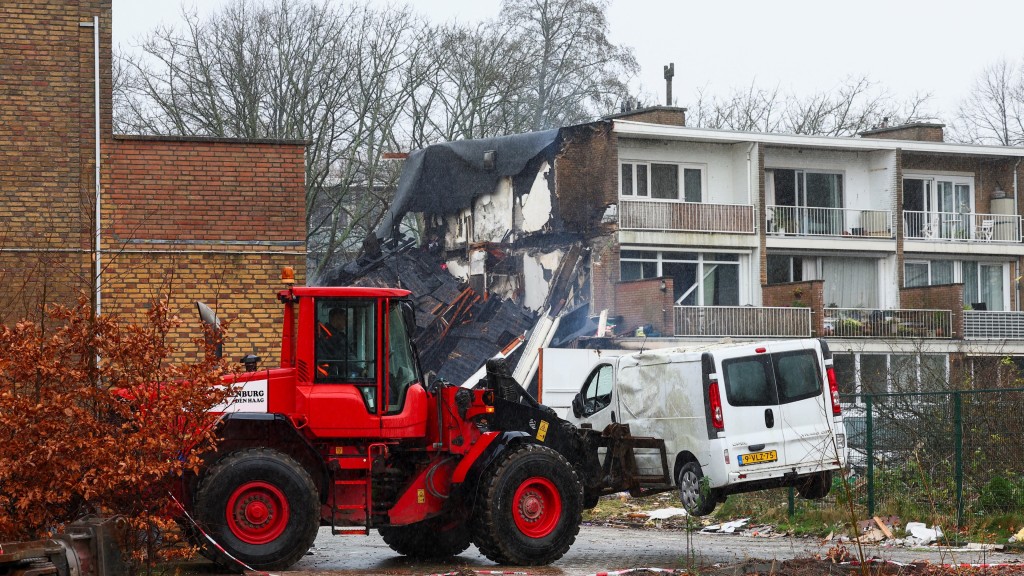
<point>757,457</point>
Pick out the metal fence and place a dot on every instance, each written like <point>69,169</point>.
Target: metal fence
<point>949,457</point>
<point>955,454</point>
<point>744,321</point>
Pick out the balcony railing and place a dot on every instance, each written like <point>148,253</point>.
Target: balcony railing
<point>984,325</point>
<point>686,216</point>
<point>896,323</point>
<point>742,321</point>
<point>804,221</point>
<point>961,226</point>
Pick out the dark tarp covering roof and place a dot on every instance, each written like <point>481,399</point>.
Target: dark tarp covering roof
<point>445,178</point>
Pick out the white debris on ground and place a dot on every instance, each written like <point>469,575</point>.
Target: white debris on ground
<point>921,535</point>
<point>663,513</point>
<point>726,528</point>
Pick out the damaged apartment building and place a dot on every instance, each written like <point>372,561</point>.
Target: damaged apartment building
<point>902,250</point>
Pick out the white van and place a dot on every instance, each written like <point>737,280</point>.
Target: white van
<point>735,417</point>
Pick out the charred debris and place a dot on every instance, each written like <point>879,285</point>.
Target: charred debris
<point>492,264</point>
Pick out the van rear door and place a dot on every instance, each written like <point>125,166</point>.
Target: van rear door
<point>750,407</point>
<point>805,408</point>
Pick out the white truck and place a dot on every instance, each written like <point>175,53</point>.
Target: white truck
<point>735,417</point>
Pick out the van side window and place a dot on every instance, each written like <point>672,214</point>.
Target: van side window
<point>797,375</point>
<point>748,381</point>
<point>597,394</point>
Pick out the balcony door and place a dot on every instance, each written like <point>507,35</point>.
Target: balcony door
<point>937,208</point>
<point>809,202</point>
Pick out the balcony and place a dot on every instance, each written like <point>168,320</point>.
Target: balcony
<point>742,321</point>
<point>804,221</point>
<point>961,227</point>
<point>686,217</point>
<point>982,325</point>
<point>893,323</point>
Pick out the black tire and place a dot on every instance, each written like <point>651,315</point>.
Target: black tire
<point>261,506</point>
<point>427,540</point>
<point>697,498</point>
<point>815,487</point>
<point>530,508</point>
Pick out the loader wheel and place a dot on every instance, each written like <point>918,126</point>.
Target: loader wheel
<point>261,507</point>
<point>427,540</point>
<point>815,487</point>
<point>530,509</point>
<point>696,497</point>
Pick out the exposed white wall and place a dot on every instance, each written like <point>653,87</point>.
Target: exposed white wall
<point>725,181</point>
<point>492,214</point>
<point>538,271</point>
<point>533,210</point>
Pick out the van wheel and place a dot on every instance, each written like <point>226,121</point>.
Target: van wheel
<point>815,487</point>
<point>697,498</point>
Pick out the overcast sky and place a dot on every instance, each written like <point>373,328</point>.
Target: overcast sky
<point>938,46</point>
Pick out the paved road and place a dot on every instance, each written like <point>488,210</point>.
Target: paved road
<point>600,548</point>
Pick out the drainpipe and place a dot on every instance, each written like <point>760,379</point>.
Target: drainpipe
<point>1016,212</point>
<point>95,25</point>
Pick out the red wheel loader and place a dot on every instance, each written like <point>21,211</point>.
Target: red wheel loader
<point>347,433</point>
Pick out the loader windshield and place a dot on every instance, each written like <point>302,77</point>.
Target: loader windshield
<point>402,366</point>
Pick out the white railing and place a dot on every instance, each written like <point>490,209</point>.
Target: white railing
<point>804,221</point>
<point>686,216</point>
<point>742,321</point>
<point>895,323</point>
<point>984,325</point>
<point>961,226</point>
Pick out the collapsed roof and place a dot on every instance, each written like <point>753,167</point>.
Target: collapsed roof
<point>445,178</point>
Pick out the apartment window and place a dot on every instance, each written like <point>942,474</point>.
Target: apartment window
<point>882,373</point>
<point>662,181</point>
<point>984,283</point>
<point>927,273</point>
<point>699,278</point>
<point>782,269</point>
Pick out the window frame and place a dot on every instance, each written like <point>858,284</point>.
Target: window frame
<point>703,258</point>
<point>647,195</point>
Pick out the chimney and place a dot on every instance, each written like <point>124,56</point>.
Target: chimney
<point>670,71</point>
<point>919,131</point>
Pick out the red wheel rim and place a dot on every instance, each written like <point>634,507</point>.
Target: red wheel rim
<point>257,512</point>
<point>537,507</point>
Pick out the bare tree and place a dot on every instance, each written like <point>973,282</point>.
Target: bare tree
<point>476,87</point>
<point>576,72</point>
<point>750,109</point>
<point>993,112</point>
<point>336,75</point>
<point>855,105</point>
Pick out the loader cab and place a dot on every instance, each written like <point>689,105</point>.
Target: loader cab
<point>357,374</point>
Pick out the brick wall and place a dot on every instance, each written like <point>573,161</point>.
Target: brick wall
<point>586,176</point>
<point>47,128</point>
<point>920,131</point>
<point>668,115</point>
<point>205,219</point>
<point>211,220</point>
<point>810,293</point>
<point>604,273</point>
<point>938,297</point>
<point>642,302</point>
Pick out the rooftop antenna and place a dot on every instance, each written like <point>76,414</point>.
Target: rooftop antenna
<point>670,72</point>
